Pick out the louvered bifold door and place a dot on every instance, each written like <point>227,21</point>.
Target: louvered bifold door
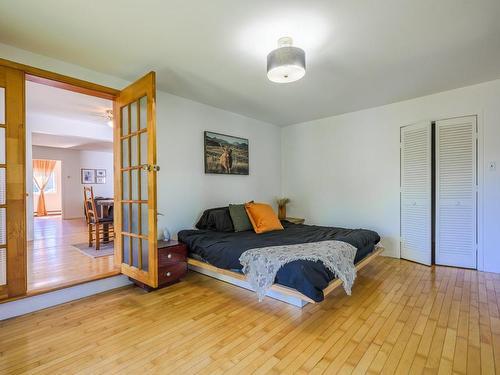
<point>416,193</point>
<point>456,192</point>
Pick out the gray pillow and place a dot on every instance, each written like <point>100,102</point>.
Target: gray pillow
<point>216,219</point>
<point>240,219</point>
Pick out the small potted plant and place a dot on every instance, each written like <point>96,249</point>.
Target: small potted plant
<point>282,202</point>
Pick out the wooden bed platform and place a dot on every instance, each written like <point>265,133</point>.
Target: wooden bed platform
<point>277,291</point>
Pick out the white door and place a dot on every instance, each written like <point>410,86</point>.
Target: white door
<point>456,192</point>
<point>416,193</point>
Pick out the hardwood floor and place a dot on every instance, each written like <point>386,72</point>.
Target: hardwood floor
<point>401,318</point>
<point>53,262</point>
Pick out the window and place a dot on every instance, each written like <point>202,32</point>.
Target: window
<point>51,185</point>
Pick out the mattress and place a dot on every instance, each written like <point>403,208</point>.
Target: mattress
<point>223,250</point>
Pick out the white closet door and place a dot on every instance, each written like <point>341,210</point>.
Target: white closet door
<point>416,179</point>
<point>456,192</point>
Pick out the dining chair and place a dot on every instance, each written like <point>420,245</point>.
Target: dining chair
<point>101,226</point>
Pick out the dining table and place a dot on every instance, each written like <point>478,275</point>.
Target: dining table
<point>106,206</point>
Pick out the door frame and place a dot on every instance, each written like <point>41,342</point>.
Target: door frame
<point>65,82</point>
<point>62,81</point>
<point>479,113</point>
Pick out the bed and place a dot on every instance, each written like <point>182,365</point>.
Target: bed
<point>217,254</point>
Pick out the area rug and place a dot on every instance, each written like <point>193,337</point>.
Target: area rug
<point>107,249</point>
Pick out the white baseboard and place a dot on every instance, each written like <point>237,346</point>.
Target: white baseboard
<point>42,301</point>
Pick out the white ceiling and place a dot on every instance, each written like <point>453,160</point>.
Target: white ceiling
<point>65,119</point>
<point>359,53</point>
<point>43,99</point>
<point>71,142</point>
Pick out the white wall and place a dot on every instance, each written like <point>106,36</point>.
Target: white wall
<point>72,161</point>
<point>344,170</point>
<point>184,190</point>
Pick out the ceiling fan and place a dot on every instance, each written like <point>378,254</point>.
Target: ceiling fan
<point>108,114</point>
<point>104,113</point>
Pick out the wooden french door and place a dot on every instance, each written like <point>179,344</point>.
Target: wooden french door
<point>12,184</point>
<point>135,180</point>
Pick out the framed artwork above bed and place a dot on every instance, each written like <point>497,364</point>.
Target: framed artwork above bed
<point>225,154</point>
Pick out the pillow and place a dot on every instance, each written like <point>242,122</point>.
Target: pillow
<point>216,219</point>
<point>262,217</point>
<point>239,217</point>
<point>220,220</point>
<point>203,222</point>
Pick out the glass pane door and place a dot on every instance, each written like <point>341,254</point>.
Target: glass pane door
<point>135,149</point>
<point>3,224</point>
<point>12,184</point>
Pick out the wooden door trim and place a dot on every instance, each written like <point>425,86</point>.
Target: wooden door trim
<point>62,81</point>
<point>15,182</point>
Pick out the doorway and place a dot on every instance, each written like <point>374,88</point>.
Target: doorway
<point>69,146</point>
<point>134,120</point>
<point>439,192</point>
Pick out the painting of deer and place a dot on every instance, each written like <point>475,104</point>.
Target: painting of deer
<point>226,159</point>
<point>225,154</point>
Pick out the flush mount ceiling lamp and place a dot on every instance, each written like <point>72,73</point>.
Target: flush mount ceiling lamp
<point>286,63</point>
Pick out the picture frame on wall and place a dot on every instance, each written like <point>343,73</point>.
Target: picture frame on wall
<point>225,154</point>
<point>100,180</point>
<point>88,176</point>
<point>100,173</point>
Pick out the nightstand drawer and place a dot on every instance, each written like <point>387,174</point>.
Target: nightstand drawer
<point>172,254</point>
<point>171,273</point>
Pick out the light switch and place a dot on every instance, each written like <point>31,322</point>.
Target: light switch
<point>492,166</point>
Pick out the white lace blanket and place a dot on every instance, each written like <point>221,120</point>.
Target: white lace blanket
<point>261,265</point>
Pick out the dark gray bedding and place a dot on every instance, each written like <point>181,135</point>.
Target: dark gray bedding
<point>223,250</point>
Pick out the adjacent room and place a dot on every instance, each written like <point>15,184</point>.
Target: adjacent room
<point>69,136</point>
<point>249,187</point>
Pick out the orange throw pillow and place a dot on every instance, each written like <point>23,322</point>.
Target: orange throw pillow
<point>262,217</point>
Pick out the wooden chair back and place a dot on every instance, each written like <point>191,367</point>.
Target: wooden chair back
<point>89,203</point>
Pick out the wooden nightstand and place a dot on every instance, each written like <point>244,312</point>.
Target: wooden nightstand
<point>172,264</point>
<point>295,220</point>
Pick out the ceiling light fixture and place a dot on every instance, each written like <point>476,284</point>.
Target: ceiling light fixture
<point>286,63</point>
<point>109,117</point>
